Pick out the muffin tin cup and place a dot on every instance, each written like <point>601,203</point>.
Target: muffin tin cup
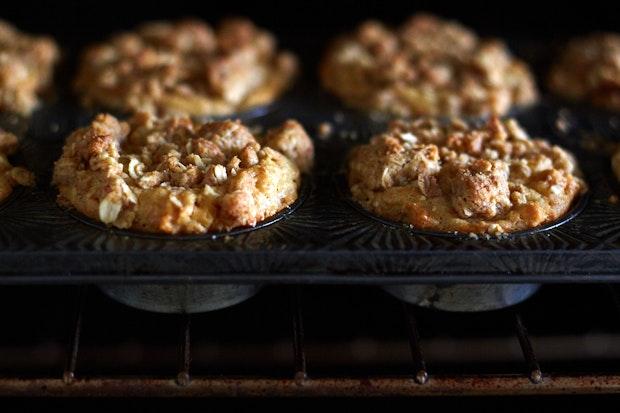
<point>460,297</point>
<point>304,190</point>
<point>467,297</point>
<point>463,297</point>
<point>577,206</point>
<point>187,297</point>
<point>181,298</point>
<point>17,192</point>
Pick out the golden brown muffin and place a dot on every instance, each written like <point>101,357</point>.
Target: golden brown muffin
<point>11,176</point>
<point>426,67</point>
<point>457,178</point>
<point>589,69</point>
<point>26,68</point>
<point>177,176</point>
<point>186,68</point>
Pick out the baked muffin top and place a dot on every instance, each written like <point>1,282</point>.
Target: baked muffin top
<point>428,66</point>
<point>26,68</point>
<point>455,177</point>
<point>589,70</point>
<point>185,67</point>
<point>178,176</point>
<point>11,176</point>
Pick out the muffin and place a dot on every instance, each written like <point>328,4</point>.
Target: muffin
<point>459,178</point>
<point>26,68</point>
<point>176,176</point>
<point>589,70</point>
<point>187,68</point>
<point>429,67</point>
<point>11,176</point>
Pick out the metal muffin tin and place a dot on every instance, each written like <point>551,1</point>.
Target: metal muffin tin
<point>183,298</point>
<point>463,297</point>
<point>325,240</point>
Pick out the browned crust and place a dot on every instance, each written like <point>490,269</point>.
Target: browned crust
<point>589,70</point>
<point>11,176</point>
<point>187,68</point>
<point>428,67</point>
<point>174,175</point>
<point>26,68</point>
<point>457,178</point>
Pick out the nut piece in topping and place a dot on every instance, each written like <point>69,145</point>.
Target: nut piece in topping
<point>173,175</point>
<point>428,66</point>
<point>478,189</point>
<point>11,176</point>
<point>186,68</point>
<point>453,177</point>
<point>26,68</point>
<point>589,70</point>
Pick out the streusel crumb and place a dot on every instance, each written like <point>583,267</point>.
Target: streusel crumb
<point>175,175</point>
<point>589,69</point>
<point>11,176</point>
<point>428,67</point>
<point>489,180</point>
<point>26,68</point>
<point>186,68</point>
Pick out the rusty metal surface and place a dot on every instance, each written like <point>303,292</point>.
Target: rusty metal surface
<point>316,358</point>
<point>358,387</point>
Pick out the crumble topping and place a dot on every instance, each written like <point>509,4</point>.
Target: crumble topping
<point>429,67</point>
<point>175,175</point>
<point>186,67</point>
<point>26,68</point>
<point>290,138</point>
<point>455,177</point>
<point>589,69</point>
<point>11,176</point>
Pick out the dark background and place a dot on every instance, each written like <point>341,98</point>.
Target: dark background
<point>76,22</point>
<point>534,30</point>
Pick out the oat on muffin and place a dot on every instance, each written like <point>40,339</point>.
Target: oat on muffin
<point>11,176</point>
<point>175,175</point>
<point>428,66</point>
<point>186,67</point>
<point>455,177</point>
<point>26,68</point>
<point>589,70</point>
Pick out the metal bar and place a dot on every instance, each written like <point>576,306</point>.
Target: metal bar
<point>315,278</point>
<point>317,387</point>
<point>419,365</point>
<point>185,357</point>
<point>74,342</point>
<point>534,372</point>
<point>299,353</point>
